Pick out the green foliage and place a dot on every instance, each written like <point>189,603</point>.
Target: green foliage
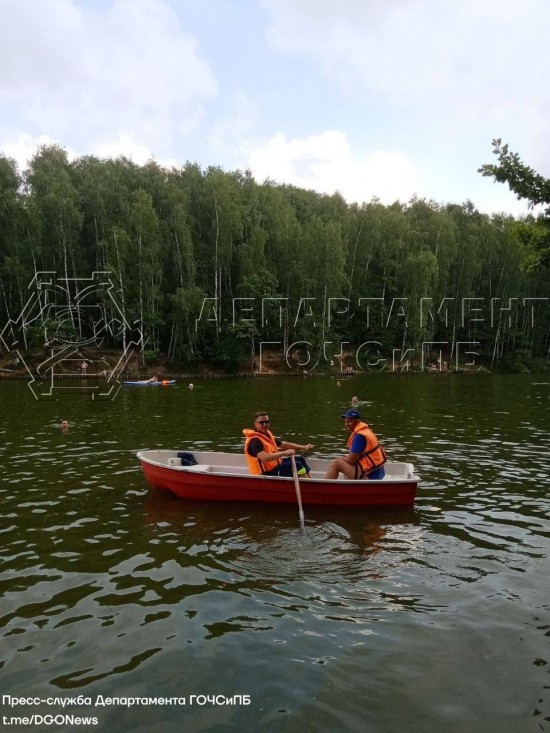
<point>35,335</point>
<point>540,366</point>
<point>151,354</point>
<point>522,361</point>
<point>183,245</point>
<point>228,352</point>
<point>527,184</point>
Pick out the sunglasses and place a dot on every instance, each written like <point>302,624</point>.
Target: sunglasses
<point>262,422</point>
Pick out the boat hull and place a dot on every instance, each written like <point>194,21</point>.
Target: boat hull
<point>217,484</point>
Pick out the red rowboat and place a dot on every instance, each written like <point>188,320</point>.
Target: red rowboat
<point>225,477</point>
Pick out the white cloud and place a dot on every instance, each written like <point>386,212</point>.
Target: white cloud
<point>231,128</point>
<point>412,91</point>
<point>462,63</point>
<point>326,163</point>
<point>125,146</point>
<point>22,147</point>
<point>82,74</point>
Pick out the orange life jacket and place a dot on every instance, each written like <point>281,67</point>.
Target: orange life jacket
<point>269,445</point>
<point>373,456</point>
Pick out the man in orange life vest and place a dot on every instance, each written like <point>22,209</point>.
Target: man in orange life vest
<point>270,456</point>
<point>366,456</point>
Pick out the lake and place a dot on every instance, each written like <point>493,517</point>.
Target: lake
<point>429,619</point>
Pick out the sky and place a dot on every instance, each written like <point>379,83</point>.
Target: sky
<point>371,98</point>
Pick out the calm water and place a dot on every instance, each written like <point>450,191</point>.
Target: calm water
<point>431,619</point>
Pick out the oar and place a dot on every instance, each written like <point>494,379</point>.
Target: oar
<point>298,494</point>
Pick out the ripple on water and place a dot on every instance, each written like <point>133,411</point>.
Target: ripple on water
<point>106,583</point>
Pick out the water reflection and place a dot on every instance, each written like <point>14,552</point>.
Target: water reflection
<point>269,536</point>
<point>105,584</point>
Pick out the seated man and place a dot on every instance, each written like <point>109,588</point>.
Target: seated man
<point>269,456</point>
<point>366,456</point>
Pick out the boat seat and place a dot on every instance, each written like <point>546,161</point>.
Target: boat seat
<point>200,468</point>
<point>237,470</point>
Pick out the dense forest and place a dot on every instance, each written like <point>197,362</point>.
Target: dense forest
<point>214,267</point>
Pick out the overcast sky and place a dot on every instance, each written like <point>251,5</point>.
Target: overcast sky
<point>386,98</point>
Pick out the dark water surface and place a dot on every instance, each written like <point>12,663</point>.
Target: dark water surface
<point>432,619</point>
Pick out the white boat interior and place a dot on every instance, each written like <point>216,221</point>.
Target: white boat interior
<point>235,464</point>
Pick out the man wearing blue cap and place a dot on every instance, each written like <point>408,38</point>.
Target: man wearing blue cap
<point>366,456</point>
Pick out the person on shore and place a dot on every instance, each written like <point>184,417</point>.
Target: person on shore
<point>84,368</point>
<point>366,456</point>
<point>270,456</point>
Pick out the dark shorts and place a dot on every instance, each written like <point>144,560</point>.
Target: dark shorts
<point>285,468</point>
<point>375,475</point>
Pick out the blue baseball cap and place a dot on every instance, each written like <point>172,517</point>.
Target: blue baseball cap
<point>354,414</point>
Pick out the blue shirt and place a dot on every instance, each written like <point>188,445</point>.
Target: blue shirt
<point>359,444</point>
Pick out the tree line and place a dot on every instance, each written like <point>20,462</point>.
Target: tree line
<point>212,264</point>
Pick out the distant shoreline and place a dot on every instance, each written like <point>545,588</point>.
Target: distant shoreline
<point>8,375</point>
<point>100,363</point>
